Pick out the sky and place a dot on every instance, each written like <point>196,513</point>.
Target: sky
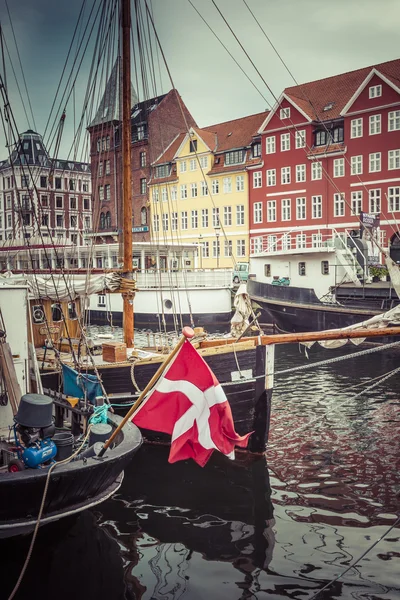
<point>315,38</point>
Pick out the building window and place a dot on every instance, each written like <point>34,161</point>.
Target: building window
<point>107,190</point>
<point>215,187</point>
<point>227,216</point>
<point>193,190</point>
<point>143,185</point>
<point>193,164</point>
<point>316,207</point>
<point>165,222</point>
<point>240,214</point>
<point>215,217</point>
<point>142,159</point>
<point>394,120</point>
<point>285,175</point>
<point>301,241</point>
<point>302,268</point>
<point>193,146</point>
<point>257,244</point>
<point>174,192</point>
<point>204,162</point>
<point>374,124</point>
<point>204,217</point>
<point>257,179</point>
<point>140,132</point>
<point>44,200</point>
<point>286,241</point>
<point>285,113</point>
<point>374,201</point>
<point>184,220</point>
<point>43,181</point>
<point>257,212</point>
<point>356,130</point>
<point>59,220</point>
<point>256,150</point>
<point>316,170</point>
<point>182,166</point>
<point>271,177</point>
<point>86,204</point>
<point>72,185</point>
<point>228,248</point>
<point>72,203</point>
<point>156,195</point>
<point>393,159</point>
<point>156,223</point>
<point>272,243</point>
<point>108,167</point>
<point>24,181</point>
<point>300,209</point>
<point>325,267</point>
<point>205,249</point>
<point>240,183</point>
<point>394,199</point>
<point>85,186</point>
<point>321,137</point>
<point>271,210</point>
<point>164,194</point>
<point>183,191</point>
<point>286,209</point>
<point>337,135</point>
<point>204,188</point>
<point>356,202</point>
<point>240,248</point>
<point>216,252</point>
<point>285,142</point>
<point>45,220</point>
<point>338,205</point>
<point>59,202</point>
<point>375,91</point>
<point>235,157</point>
<point>300,173</point>
<point>162,171</point>
<point>270,145</point>
<point>58,183</point>
<point>87,223</point>
<point>300,139</point>
<point>338,167</point>
<point>227,181</point>
<point>316,240</point>
<point>174,221</point>
<point>73,221</point>
<point>357,165</point>
<point>374,162</point>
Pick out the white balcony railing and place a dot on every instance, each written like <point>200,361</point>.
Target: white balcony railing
<point>293,242</point>
<point>213,278</point>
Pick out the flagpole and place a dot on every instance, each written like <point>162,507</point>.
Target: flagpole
<point>187,334</point>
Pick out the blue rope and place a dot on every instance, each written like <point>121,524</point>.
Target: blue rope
<point>99,414</point>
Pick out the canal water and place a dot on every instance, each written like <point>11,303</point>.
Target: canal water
<point>277,528</point>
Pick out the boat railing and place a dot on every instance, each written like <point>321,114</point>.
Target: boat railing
<point>290,242</point>
<point>184,278</point>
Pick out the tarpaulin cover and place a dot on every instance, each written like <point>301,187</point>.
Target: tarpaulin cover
<point>76,383</point>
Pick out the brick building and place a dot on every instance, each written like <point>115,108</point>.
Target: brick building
<point>154,124</point>
<point>331,150</point>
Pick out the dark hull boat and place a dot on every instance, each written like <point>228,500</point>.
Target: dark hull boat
<point>240,371</point>
<point>73,486</point>
<point>295,309</point>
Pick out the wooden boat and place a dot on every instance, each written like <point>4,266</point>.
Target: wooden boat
<point>75,485</point>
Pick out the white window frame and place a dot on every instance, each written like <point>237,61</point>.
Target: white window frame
<point>257,212</point>
<point>357,164</point>
<point>338,167</point>
<point>284,113</point>
<point>300,173</point>
<point>182,166</point>
<point>300,139</point>
<point>270,144</point>
<point>215,187</point>
<point>240,248</point>
<point>286,209</point>
<point>240,183</point>
<point>375,162</point>
<point>375,91</point>
<point>394,120</point>
<point>227,216</point>
<point>339,205</point>
<point>374,200</point>
<point>394,199</point>
<point>270,177</point>
<point>316,170</point>
<point>301,209</point>
<point>183,191</point>
<point>393,159</point>
<point>356,128</point>
<point>227,185</point>
<point>316,207</point>
<point>285,142</point>
<point>193,164</point>
<point>356,202</point>
<point>257,179</point>
<point>271,211</point>
<point>285,175</point>
<point>375,124</point>
<point>240,216</point>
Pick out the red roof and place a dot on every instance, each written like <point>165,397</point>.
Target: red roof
<point>328,149</point>
<point>237,133</point>
<point>312,97</point>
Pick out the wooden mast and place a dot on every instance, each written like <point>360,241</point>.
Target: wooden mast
<point>128,323</point>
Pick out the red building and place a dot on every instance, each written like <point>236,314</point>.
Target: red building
<point>330,149</point>
<point>154,124</point>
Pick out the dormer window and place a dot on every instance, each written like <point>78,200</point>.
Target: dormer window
<point>256,150</point>
<point>235,157</point>
<point>337,134</point>
<point>320,137</point>
<point>193,146</point>
<point>375,91</point>
<point>285,113</point>
<point>162,171</point>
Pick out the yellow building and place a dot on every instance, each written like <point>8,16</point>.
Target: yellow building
<point>199,190</point>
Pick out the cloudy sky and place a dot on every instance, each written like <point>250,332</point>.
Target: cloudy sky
<point>316,38</point>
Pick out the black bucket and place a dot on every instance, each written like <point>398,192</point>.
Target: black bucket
<point>64,442</point>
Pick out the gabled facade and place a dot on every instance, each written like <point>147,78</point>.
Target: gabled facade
<point>199,190</point>
<point>331,150</point>
<point>154,124</point>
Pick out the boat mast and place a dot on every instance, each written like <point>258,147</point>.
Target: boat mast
<point>128,323</point>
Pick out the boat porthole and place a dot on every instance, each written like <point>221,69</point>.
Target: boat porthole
<point>168,304</point>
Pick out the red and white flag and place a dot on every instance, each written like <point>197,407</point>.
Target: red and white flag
<point>190,404</point>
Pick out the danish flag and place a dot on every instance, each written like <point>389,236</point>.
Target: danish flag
<point>190,404</point>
